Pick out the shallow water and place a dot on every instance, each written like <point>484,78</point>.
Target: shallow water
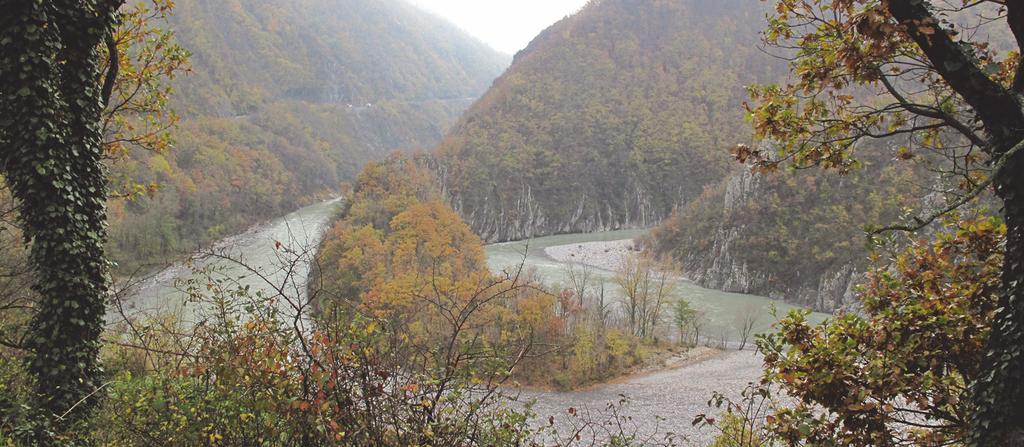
<point>264,261</point>
<point>257,248</point>
<point>722,309</point>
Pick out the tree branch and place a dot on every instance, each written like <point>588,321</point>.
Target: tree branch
<point>931,112</point>
<point>921,222</point>
<point>1015,19</point>
<point>997,107</point>
<point>113,65</point>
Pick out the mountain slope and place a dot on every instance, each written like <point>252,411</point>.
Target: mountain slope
<point>610,118</point>
<point>249,52</point>
<point>793,235</point>
<point>286,100</point>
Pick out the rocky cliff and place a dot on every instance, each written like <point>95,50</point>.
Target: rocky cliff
<point>793,236</point>
<point>502,215</point>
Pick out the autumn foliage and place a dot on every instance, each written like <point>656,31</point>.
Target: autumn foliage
<point>899,373</point>
<point>398,252</point>
<point>397,238</point>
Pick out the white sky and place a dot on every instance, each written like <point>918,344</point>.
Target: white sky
<point>506,25</point>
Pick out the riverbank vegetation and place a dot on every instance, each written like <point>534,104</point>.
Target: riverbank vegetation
<point>397,244</point>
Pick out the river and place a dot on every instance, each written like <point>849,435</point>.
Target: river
<point>676,395</point>
<point>721,309</point>
<point>253,258</point>
<point>664,401</point>
<point>303,230</point>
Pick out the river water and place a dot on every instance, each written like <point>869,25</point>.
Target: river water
<point>663,401</point>
<point>721,309</point>
<point>302,231</point>
<point>258,258</point>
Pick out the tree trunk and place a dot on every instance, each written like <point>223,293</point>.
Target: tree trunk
<point>998,395</point>
<point>52,158</point>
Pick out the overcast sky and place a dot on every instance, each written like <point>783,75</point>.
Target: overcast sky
<point>505,25</point>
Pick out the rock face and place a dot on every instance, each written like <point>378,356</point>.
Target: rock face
<point>726,268</point>
<point>514,215</point>
<point>721,270</point>
<point>794,235</point>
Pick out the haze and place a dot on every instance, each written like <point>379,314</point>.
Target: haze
<point>505,25</point>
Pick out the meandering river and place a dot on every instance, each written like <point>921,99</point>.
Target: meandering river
<point>303,229</point>
<point>676,395</point>
<point>721,309</point>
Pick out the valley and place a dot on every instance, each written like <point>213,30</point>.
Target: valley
<point>257,248</point>
<point>352,223</point>
<point>675,393</point>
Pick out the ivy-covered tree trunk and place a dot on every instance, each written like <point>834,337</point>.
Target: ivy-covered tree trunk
<point>998,395</point>
<point>51,156</point>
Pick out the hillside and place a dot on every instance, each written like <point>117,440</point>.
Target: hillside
<point>793,235</point>
<point>285,101</point>
<point>610,118</point>
<point>623,115</point>
<point>250,52</point>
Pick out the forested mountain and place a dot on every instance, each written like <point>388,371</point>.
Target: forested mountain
<point>610,118</point>
<point>251,52</point>
<point>287,99</point>
<point>625,112</point>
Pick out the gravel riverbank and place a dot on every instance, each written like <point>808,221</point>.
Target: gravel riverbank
<point>659,402</point>
<point>663,401</point>
<point>605,255</point>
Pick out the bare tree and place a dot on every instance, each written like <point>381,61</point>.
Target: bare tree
<point>603,308</point>
<point>632,279</point>
<point>579,279</point>
<point>697,324</point>
<point>647,285</point>
<point>745,321</point>
<point>664,290</point>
